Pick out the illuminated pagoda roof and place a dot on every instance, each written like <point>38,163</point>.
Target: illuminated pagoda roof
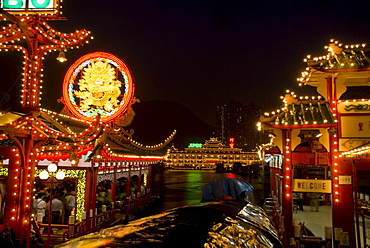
<point>62,134</point>
<point>213,143</point>
<point>339,58</point>
<point>307,112</point>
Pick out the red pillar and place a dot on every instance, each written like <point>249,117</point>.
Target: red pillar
<point>25,194</point>
<point>331,96</point>
<point>12,187</point>
<point>343,212</point>
<point>149,182</point>
<point>128,190</point>
<point>114,184</point>
<point>139,180</point>
<point>90,193</point>
<point>88,190</point>
<point>93,197</point>
<point>343,207</point>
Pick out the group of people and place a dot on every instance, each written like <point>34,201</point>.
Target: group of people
<point>121,188</point>
<point>104,192</point>
<point>104,195</point>
<point>63,202</point>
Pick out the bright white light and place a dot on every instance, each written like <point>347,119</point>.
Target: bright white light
<point>44,175</point>
<point>52,167</point>
<point>60,175</point>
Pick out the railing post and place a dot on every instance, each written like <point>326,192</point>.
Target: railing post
<point>83,226</point>
<point>95,220</point>
<point>91,220</point>
<point>113,214</point>
<point>71,226</point>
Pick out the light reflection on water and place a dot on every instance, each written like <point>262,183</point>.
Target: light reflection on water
<point>184,187</point>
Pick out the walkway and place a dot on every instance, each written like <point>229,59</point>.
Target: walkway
<point>314,221</point>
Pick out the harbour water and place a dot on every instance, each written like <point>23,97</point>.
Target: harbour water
<point>184,187</point>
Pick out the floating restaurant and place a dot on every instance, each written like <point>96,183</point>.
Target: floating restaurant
<point>208,156</point>
<point>86,152</point>
<point>319,147</point>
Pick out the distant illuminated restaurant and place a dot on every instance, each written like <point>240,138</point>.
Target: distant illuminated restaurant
<point>206,156</point>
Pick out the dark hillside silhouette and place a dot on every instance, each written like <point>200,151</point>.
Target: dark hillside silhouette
<point>155,120</point>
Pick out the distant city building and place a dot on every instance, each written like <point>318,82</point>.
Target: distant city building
<point>208,155</point>
<point>238,121</point>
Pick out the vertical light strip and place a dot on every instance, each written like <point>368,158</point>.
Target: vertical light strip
<point>287,165</point>
<point>335,154</point>
<point>335,173</point>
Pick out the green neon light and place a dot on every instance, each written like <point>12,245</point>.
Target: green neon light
<point>195,145</point>
<point>13,4</point>
<point>32,4</point>
<point>45,4</point>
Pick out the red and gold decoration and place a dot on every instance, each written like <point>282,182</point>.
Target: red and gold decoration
<point>98,94</point>
<point>41,38</point>
<point>340,123</point>
<point>27,31</point>
<point>98,84</point>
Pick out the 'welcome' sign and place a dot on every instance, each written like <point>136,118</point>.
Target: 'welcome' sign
<point>29,6</point>
<point>312,185</point>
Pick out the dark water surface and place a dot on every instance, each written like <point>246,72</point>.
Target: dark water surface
<point>184,187</point>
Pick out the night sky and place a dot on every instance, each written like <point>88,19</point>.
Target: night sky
<point>202,53</point>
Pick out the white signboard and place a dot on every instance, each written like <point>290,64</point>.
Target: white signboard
<point>355,126</point>
<point>312,185</point>
<point>344,179</point>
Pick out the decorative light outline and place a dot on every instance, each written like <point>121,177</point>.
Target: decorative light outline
<point>77,68</point>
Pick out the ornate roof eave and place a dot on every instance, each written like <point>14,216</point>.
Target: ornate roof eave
<point>119,154</point>
<point>135,151</point>
<point>62,155</point>
<point>59,141</point>
<point>367,69</point>
<point>117,143</point>
<point>305,112</point>
<point>122,137</point>
<point>153,147</point>
<point>315,76</point>
<point>45,33</point>
<point>340,59</point>
<point>313,126</point>
<point>55,126</point>
<point>51,133</point>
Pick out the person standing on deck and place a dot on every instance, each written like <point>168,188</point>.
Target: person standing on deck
<point>56,210</point>
<point>70,205</point>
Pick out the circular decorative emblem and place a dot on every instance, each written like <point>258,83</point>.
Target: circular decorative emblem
<point>98,83</point>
